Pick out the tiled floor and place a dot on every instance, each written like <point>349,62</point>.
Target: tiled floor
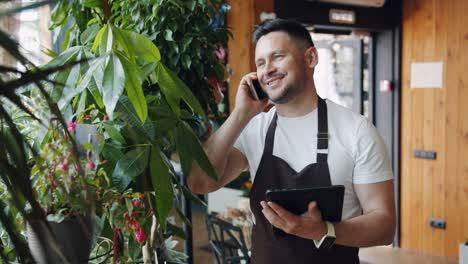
<point>375,255</point>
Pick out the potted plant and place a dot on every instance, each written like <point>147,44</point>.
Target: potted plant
<point>67,185</point>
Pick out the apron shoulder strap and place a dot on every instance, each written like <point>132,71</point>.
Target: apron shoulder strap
<point>322,135</point>
<point>270,136</point>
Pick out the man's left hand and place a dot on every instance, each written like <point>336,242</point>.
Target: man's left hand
<point>308,225</point>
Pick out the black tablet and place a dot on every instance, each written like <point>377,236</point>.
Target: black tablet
<point>329,200</point>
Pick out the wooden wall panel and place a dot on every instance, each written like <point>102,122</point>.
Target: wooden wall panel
<point>242,18</point>
<point>435,119</point>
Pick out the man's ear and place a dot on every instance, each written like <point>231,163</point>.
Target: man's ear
<point>311,57</point>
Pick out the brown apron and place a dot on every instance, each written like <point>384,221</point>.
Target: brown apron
<point>268,247</point>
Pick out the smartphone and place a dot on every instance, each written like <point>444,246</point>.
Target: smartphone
<point>257,91</point>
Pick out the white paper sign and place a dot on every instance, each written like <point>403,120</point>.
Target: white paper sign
<point>427,74</point>
<point>464,253</point>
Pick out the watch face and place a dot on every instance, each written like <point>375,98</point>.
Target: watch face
<point>327,243</point>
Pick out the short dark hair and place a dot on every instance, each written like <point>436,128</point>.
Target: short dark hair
<point>294,29</point>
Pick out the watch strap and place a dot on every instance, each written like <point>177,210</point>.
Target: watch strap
<point>330,234</point>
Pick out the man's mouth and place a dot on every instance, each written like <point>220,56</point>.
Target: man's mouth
<point>273,81</point>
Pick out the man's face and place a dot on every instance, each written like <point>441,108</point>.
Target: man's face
<point>281,66</point>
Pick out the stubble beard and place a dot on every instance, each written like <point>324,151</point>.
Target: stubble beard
<point>289,92</point>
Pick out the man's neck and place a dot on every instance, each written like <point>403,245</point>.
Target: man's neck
<point>300,105</point>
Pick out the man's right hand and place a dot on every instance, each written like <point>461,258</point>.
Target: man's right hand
<point>245,103</point>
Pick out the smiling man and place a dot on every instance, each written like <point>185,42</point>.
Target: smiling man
<point>303,141</point>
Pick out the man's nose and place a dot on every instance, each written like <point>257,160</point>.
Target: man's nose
<point>269,68</point>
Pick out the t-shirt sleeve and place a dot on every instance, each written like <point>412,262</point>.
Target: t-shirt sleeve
<point>372,162</point>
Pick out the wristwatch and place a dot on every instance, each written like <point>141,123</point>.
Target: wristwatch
<point>328,240</point>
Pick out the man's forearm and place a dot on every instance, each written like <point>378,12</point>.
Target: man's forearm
<point>220,142</point>
<point>372,229</point>
<point>217,149</point>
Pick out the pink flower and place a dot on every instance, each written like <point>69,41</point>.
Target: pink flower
<point>125,215</point>
<point>90,165</point>
<point>106,117</point>
<point>72,126</point>
<point>213,82</point>
<point>221,54</point>
<point>64,166</point>
<point>142,196</point>
<point>136,203</point>
<point>140,236</point>
<point>134,224</point>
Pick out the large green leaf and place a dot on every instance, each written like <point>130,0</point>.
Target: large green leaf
<point>189,148</point>
<point>133,88</point>
<point>60,78</point>
<point>129,166</point>
<point>164,119</point>
<point>162,126</point>
<point>113,132</point>
<point>183,217</point>
<point>175,89</point>
<point>98,75</point>
<point>69,93</point>
<point>64,57</point>
<point>112,84</point>
<point>161,180</point>
<point>94,90</point>
<point>92,3</point>
<point>98,38</point>
<point>188,194</point>
<point>135,44</point>
<point>104,41</point>
<point>72,80</point>
<point>112,152</point>
<point>129,115</point>
<point>89,34</point>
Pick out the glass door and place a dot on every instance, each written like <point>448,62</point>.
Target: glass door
<point>342,74</point>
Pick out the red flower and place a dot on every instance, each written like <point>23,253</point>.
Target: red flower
<point>221,54</point>
<point>140,236</point>
<point>72,126</point>
<point>134,224</point>
<point>142,196</point>
<point>90,165</point>
<point>106,117</point>
<point>64,166</point>
<point>137,203</point>
<point>125,215</point>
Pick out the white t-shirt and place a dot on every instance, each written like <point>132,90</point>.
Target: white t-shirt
<point>357,153</point>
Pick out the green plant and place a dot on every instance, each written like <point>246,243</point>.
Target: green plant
<point>188,34</point>
<point>141,89</point>
<point>115,66</point>
<point>66,185</point>
<point>15,150</point>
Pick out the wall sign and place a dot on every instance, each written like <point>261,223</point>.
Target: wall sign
<point>427,74</point>
<point>341,16</point>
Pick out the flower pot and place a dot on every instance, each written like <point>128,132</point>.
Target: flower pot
<point>74,237</point>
